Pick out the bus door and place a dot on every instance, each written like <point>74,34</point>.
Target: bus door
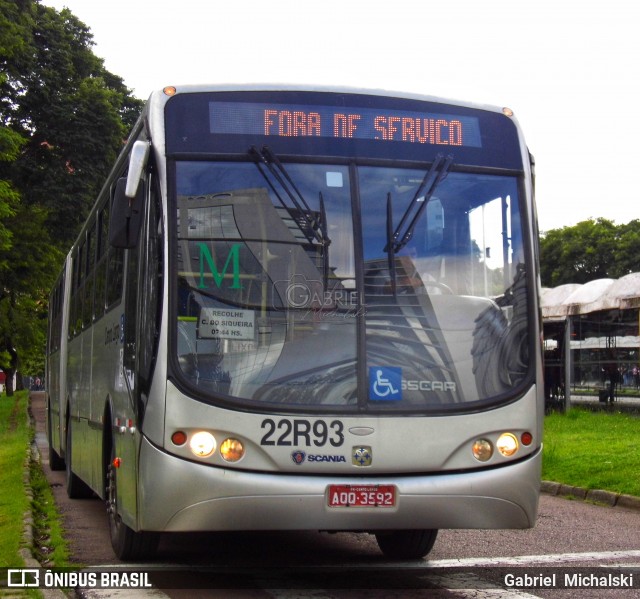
<point>141,330</point>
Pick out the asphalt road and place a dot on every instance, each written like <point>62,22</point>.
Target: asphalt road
<point>574,537</point>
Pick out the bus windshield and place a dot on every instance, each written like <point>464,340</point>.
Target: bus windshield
<point>358,287</point>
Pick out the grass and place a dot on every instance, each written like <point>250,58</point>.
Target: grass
<point>49,546</point>
<point>15,436</point>
<point>593,450</point>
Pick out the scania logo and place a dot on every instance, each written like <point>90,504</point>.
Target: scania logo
<point>298,457</point>
<point>361,456</point>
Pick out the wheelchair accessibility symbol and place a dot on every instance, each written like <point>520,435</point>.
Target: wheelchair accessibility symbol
<point>385,383</point>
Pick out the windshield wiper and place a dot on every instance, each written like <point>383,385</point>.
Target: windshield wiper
<point>312,225</point>
<point>391,255</point>
<point>434,176</point>
<point>312,230</point>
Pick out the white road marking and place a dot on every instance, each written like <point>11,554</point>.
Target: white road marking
<point>527,560</point>
<point>458,584</point>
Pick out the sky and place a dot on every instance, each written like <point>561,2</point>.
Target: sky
<point>569,69</point>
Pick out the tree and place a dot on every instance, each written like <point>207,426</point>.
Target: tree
<point>75,115</point>
<point>63,119</point>
<point>592,249</point>
<point>10,144</point>
<point>24,287</point>
<point>627,251</point>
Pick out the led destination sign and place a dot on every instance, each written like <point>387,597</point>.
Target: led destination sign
<point>300,121</point>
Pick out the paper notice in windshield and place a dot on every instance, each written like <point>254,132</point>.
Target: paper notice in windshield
<point>226,323</point>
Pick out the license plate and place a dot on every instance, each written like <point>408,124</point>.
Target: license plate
<point>362,496</point>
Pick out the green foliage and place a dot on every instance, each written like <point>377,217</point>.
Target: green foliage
<point>15,47</point>
<point>10,145</point>
<point>9,201</point>
<point>627,249</point>
<point>592,249</point>
<point>592,450</point>
<point>73,112</point>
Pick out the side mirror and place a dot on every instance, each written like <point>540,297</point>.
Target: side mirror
<point>128,201</point>
<point>137,162</point>
<point>126,216</point>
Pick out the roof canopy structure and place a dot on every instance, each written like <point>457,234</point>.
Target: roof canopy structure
<point>601,294</point>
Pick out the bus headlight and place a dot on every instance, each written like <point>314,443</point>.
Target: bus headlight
<point>231,450</point>
<point>507,444</point>
<point>202,444</point>
<point>482,450</point>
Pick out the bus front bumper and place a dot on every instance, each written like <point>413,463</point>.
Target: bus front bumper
<point>180,496</point>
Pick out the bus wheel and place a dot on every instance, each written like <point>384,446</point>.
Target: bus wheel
<point>406,544</point>
<point>76,487</point>
<point>127,544</point>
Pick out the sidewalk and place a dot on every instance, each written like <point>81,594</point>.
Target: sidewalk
<point>36,402</point>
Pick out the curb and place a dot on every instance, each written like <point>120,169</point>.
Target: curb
<point>33,455</point>
<point>595,495</point>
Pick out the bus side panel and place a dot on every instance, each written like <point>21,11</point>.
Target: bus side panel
<point>84,406</point>
<point>124,424</point>
<point>57,370</point>
<point>95,396</point>
<point>126,434</point>
<point>53,397</point>
<point>76,415</point>
<point>105,379</point>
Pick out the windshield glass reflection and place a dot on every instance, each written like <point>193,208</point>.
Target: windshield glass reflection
<point>270,299</point>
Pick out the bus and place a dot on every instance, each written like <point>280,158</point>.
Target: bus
<point>299,308</point>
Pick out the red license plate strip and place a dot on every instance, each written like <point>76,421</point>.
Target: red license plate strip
<point>362,496</point>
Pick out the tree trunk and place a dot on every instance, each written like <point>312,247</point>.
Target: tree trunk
<point>11,371</point>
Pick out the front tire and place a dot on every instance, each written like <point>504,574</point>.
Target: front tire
<point>127,544</point>
<point>406,544</point>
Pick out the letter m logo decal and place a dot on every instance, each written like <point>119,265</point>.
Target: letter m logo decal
<point>232,261</point>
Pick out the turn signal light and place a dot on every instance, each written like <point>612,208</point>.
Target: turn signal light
<point>231,450</point>
<point>482,450</point>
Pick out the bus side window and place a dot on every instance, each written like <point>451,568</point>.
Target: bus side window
<point>77,290</point>
<point>130,309</point>
<point>150,285</point>
<point>115,275</point>
<point>87,309</point>
<point>101,262</point>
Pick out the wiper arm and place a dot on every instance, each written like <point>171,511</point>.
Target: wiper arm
<point>391,254</point>
<point>313,230</point>
<point>434,176</point>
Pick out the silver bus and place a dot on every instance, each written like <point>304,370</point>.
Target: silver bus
<point>304,308</point>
